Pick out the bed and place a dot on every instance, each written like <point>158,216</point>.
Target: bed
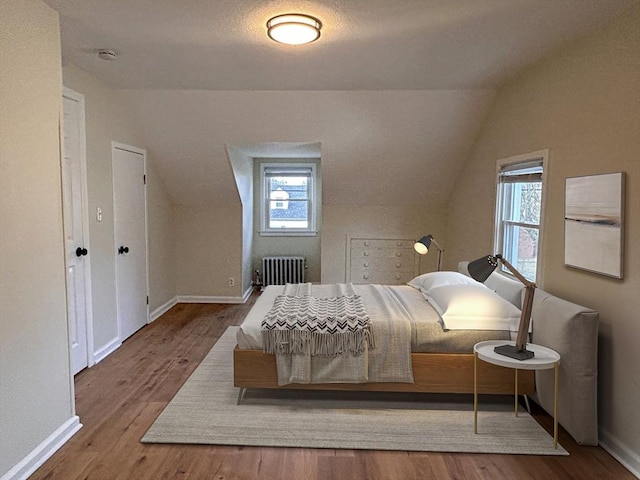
<point>439,356</point>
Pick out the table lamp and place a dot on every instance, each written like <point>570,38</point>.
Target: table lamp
<point>480,270</point>
<point>422,247</point>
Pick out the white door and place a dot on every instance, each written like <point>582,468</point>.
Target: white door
<point>129,201</point>
<point>75,212</point>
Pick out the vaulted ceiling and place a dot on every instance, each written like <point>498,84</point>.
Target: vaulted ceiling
<point>395,91</point>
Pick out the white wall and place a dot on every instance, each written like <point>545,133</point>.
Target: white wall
<point>36,391</point>
<point>108,120</point>
<point>583,104</point>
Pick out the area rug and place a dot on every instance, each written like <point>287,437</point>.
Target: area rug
<point>205,411</point>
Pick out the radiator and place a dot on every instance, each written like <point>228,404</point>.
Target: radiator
<point>282,270</point>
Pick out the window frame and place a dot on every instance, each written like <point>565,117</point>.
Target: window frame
<point>265,199</point>
<point>542,157</point>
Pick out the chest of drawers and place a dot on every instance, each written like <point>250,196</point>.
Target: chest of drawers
<point>387,261</point>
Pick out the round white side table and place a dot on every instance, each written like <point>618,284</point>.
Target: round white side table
<point>544,358</point>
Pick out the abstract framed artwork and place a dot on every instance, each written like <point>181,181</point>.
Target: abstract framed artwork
<point>594,223</point>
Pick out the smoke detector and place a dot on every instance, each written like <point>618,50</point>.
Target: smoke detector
<point>106,54</point>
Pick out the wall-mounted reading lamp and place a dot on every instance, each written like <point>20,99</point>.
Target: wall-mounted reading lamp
<point>480,270</point>
<point>422,247</point>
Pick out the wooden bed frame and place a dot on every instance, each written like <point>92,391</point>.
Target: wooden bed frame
<point>433,373</point>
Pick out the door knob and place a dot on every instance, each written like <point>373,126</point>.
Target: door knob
<point>80,252</point>
<point>123,249</point>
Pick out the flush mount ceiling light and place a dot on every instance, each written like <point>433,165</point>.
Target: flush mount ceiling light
<point>294,28</point>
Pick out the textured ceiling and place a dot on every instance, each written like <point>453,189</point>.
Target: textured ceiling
<point>392,95</point>
<point>365,44</point>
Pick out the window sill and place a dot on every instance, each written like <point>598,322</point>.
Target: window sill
<point>287,234</point>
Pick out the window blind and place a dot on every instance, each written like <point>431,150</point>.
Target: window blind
<point>528,172</point>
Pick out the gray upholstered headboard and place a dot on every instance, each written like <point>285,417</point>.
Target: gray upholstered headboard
<point>572,331</point>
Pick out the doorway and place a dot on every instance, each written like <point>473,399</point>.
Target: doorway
<point>130,233</point>
<point>76,230</point>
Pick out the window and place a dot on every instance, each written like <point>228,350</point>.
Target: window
<point>287,199</point>
<point>519,211</point>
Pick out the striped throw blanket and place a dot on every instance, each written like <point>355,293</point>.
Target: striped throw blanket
<point>389,361</point>
<point>303,324</point>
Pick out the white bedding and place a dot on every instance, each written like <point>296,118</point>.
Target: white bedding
<point>390,359</point>
<point>249,335</point>
<point>428,332</point>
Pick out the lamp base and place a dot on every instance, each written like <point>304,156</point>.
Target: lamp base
<point>512,352</point>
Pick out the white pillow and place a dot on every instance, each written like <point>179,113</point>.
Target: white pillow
<point>473,307</point>
<point>427,281</point>
<point>508,288</point>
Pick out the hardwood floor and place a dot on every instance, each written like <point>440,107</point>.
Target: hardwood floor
<point>118,400</point>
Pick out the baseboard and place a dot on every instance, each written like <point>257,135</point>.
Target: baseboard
<point>619,451</point>
<point>247,294</point>
<point>207,299</point>
<point>162,309</point>
<point>44,451</point>
<point>109,348</point>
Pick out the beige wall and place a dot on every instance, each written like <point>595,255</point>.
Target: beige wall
<point>378,148</point>
<point>405,146</point>
<point>161,224</point>
<point>242,166</point>
<point>377,221</point>
<point>583,104</point>
<point>209,246</point>
<point>107,120</point>
<point>378,151</point>
<point>36,392</point>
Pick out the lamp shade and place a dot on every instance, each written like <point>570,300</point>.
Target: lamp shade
<point>481,268</point>
<point>294,28</point>
<point>422,245</point>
